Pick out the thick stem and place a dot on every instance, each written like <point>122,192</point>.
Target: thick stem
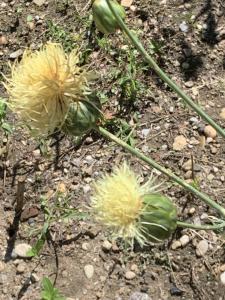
<point>200,227</point>
<point>163,170</point>
<point>164,76</point>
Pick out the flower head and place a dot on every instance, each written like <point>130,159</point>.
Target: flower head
<point>118,203</point>
<point>44,84</point>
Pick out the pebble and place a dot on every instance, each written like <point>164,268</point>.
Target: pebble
<point>89,271</point>
<point>222,278</point>
<point>39,2</point>
<point>210,177</point>
<point>191,210</point>
<point>3,5</point>
<point>188,175</point>
<point>16,54</point>
<point>175,291</point>
<point>130,275</point>
<point>209,131</point>
<point>184,27</point>
<point>139,296</point>
<point>187,165</point>
<point>21,250</point>
<point>201,248</point>
<point>145,132</point>
<point>34,277</point>
<point>184,240</point>
<point>106,246</point>
<point>222,114</point>
<point>86,188</point>
<point>3,40</point>
<point>213,150</point>
<point>189,84</point>
<point>2,266</point>
<point>85,246</point>
<point>179,143</point>
<point>175,245</point>
<point>20,268</point>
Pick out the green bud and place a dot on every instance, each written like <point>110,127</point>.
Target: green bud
<point>159,219</point>
<point>103,16</point>
<point>82,116</point>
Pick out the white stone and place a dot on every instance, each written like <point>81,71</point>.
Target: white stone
<point>89,271</point>
<point>21,250</point>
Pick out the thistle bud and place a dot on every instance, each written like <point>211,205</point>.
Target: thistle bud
<point>103,16</point>
<point>82,117</point>
<point>159,218</point>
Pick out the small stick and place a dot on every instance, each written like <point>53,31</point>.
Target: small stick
<point>20,194</point>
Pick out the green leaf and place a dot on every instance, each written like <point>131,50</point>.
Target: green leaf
<point>29,18</point>
<point>49,292</point>
<point>7,127</point>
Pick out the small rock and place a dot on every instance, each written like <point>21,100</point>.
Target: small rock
<point>213,150</point>
<point>2,266</point>
<point>130,275</point>
<point>21,250</point>
<point>201,248</point>
<point>134,268</point>
<point>175,245</point>
<point>85,246</point>
<point>210,177</point>
<point>139,296</point>
<point>185,239</point>
<point>20,268</point>
<point>34,277</point>
<point>175,291</point>
<point>126,3</point>
<point>30,25</point>
<point>145,132</point>
<point>106,246</point>
<point>210,131</point>
<point>188,174</point>
<point>3,40</point>
<point>39,2</point>
<point>222,278</point>
<point>191,210</point>
<point>187,165</point>
<point>184,27</point>
<point>222,114</point>
<point>179,143</point>
<point>16,54</point>
<point>86,188</point>
<point>29,212</point>
<point>189,84</point>
<point>89,271</point>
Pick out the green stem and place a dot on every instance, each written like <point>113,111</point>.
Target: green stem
<point>201,227</point>
<point>163,170</point>
<point>163,75</point>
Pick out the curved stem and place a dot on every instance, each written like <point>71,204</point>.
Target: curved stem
<point>201,227</point>
<point>163,170</point>
<point>164,76</point>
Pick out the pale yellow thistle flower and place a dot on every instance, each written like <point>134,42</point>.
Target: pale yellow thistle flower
<point>117,203</point>
<point>43,85</point>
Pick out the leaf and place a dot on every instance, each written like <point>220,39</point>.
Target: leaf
<point>49,292</point>
<point>7,127</point>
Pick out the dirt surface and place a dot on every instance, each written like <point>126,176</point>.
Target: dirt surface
<point>188,41</point>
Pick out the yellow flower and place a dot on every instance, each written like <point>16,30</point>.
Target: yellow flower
<point>118,203</point>
<point>43,85</point>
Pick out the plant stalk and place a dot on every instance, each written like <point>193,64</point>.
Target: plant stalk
<point>200,227</point>
<point>205,198</point>
<point>134,40</point>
